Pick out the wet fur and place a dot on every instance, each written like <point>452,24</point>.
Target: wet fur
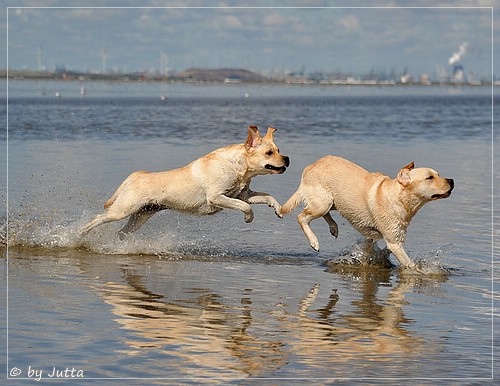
<point>216,181</point>
<point>376,205</point>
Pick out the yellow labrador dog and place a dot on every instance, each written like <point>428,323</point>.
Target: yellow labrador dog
<point>218,180</point>
<point>376,205</point>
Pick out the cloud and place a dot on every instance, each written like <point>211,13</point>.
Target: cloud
<point>275,19</point>
<point>349,22</point>
<point>230,21</point>
<point>81,13</point>
<point>328,38</point>
<point>22,14</point>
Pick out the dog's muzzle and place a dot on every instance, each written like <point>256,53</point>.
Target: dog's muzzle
<point>279,169</point>
<point>448,193</point>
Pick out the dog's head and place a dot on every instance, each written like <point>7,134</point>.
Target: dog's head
<point>263,155</point>
<point>425,183</point>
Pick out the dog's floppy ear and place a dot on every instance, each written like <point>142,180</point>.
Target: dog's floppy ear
<point>404,174</point>
<point>269,134</point>
<point>253,139</point>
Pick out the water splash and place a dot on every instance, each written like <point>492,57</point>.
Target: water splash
<point>357,255</point>
<point>43,232</point>
<point>429,264</point>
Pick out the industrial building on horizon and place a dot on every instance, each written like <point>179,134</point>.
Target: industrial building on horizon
<point>454,74</point>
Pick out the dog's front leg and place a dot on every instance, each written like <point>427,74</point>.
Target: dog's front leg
<point>398,251</point>
<point>222,201</point>
<point>262,198</point>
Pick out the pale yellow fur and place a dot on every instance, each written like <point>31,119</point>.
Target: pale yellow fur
<point>216,181</point>
<point>376,205</point>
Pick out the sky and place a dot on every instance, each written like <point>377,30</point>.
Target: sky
<point>420,36</point>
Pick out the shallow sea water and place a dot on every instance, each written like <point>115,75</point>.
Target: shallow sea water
<point>212,299</point>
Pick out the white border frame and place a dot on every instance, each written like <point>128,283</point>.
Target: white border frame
<point>8,369</point>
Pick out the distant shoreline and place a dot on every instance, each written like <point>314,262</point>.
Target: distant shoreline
<point>224,77</point>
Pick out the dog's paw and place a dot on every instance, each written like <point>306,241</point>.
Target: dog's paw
<point>334,231</point>
<point>315,246</point>
<point>249,217</point>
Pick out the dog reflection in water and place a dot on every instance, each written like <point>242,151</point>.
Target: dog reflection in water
<point>226,340</point>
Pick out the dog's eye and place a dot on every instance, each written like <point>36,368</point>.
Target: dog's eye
<point>430,178</point>
<point>269,152</point>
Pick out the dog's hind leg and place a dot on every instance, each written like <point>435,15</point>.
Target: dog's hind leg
<point>117,211</point>
<point>304,220</point>
<point>108,216</point>
<point>334,228</point>
<point>319,203</point>
<point>136,221</point>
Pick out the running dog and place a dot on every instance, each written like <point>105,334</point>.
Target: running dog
<point>216,181</point>
<point>376,205</point>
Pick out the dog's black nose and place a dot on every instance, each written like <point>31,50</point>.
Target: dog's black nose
<point>451,182</point>
<point>287,160</point>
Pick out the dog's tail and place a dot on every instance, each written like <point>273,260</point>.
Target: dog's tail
<point>292,203</point>
<point>111,200</point>
<point>131,178</point>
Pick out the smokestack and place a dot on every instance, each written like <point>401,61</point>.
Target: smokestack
<point>457,56</point>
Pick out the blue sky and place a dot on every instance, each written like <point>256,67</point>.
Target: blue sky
<point>353,40</point>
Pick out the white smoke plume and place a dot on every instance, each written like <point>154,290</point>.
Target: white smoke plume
<point>457,56</point>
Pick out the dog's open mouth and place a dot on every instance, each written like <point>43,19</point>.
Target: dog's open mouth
<point>277,169</point>
<point>444,195</point>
